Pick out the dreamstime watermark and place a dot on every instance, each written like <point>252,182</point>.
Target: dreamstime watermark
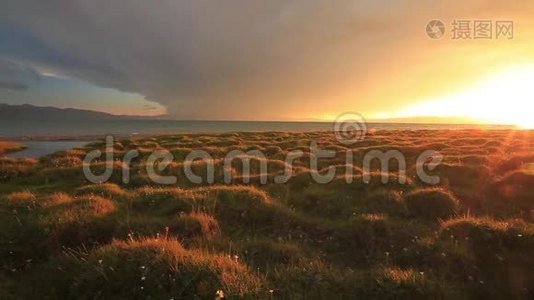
<point>349,129</point>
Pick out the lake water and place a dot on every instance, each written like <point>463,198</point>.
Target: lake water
<point>144,127</point>
<point>36,149</point>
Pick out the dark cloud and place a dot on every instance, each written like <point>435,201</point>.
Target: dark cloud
<point>16,76</point>
<point>204,58</point>
<point>16,86</point>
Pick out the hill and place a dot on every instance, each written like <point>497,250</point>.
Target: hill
<point>37,113</point>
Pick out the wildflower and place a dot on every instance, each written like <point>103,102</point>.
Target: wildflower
<point>219,294</point>
<point>143,278</point>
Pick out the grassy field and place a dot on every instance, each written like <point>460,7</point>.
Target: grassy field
<point>470,236</point>
<point>8,146</point>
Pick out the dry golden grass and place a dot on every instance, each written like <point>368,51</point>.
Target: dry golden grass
<point>59,199</point>
<point>167,264</point>
<point>402,276</point>
<point>8,146</point>
<point>23,196</point>
<point>103,189</point>
<point>209,226</point>
<point>87,208</point>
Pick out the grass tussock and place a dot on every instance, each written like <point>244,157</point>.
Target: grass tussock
<point>155,269</point>
<point>196,224</point>
<point>24,196</point>
<point>103,190</point>
<point>431,203</point>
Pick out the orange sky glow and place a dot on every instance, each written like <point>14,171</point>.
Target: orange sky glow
<point>277,60</point>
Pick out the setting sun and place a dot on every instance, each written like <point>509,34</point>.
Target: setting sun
<point>504,98</point>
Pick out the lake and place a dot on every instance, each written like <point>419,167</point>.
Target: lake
<point>30,128</point>
<point>36,149</point>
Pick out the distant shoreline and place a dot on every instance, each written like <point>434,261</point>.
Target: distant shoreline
<point>85,130</point>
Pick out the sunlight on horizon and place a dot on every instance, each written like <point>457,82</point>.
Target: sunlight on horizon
<point>505,98</point>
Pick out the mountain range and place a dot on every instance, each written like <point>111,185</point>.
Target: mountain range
<point>40,113</point>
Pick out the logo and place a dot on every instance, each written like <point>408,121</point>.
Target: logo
<point>350,128</point>
<point>435,29</point>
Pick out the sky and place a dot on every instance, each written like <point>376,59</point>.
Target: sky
<point>268,60</point>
